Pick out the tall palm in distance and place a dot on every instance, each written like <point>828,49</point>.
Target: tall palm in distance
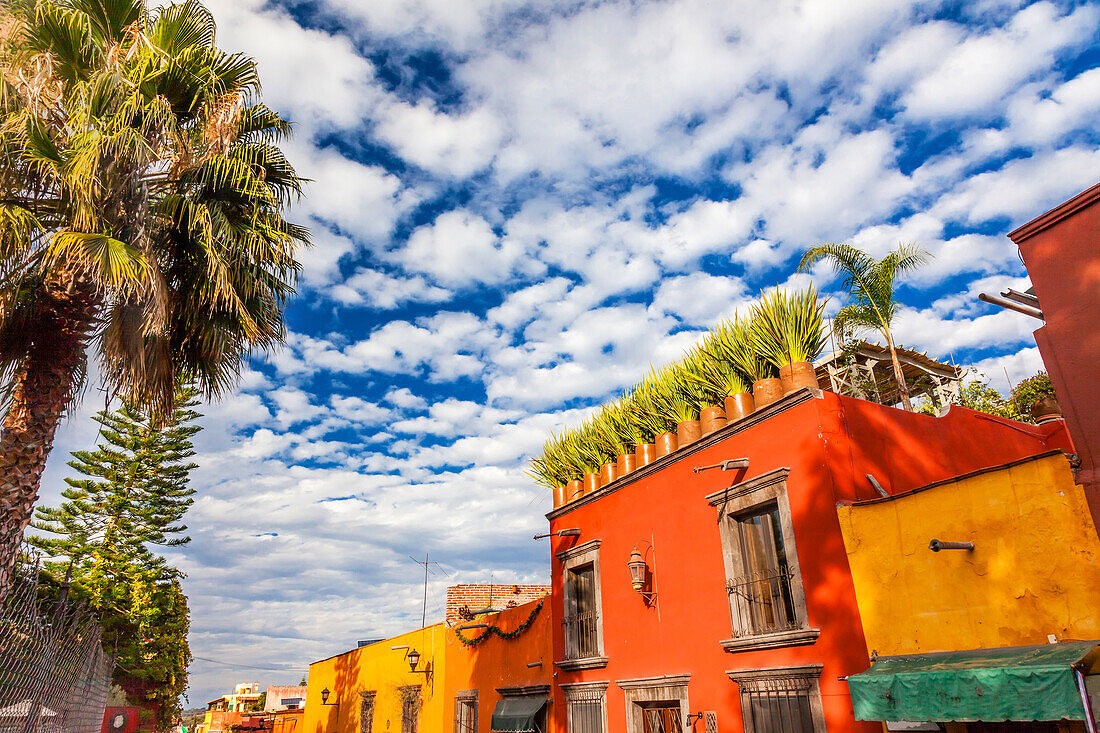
<point>870,284</point>
<point>142,194</point>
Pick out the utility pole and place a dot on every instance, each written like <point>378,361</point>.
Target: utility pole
<point>427,569</point>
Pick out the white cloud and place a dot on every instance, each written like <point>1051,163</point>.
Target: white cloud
<point>980,71</point>
<point>455,145</point>
<point>458,250</point>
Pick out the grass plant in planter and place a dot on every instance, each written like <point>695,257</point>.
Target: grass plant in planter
<point>763,375</point>
<point>591,454</point>
<point>698,369</point>
<point>725,372</point>
<point>648,412</point>
<point>574,465</point>
<point>678,402</point>
<point>802,336</point>
<point>551,470</point>
<point>629,434</point>
<point>613,441</point>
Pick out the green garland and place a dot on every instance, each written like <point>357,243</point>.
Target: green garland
<point>497,631</point>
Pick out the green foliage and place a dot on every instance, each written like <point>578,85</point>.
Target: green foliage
<point>128,497</point>
<point>870,284</point>
<point>139,169</point>
<point>1030,390</point>
<point>725,362</point>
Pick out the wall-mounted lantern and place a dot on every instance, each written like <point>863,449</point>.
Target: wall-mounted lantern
<point>324,698</point>
<point>414,659</point>
<point>637,568</point>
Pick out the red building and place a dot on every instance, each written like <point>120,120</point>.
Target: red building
<point>747,616</point>
<point>1061,249</point>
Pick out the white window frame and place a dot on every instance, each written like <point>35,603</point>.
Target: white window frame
<point>742,498</point>
<point>585,692</point>
<point>667,688</point>
<point>583,554</point>
<point>749,682</point>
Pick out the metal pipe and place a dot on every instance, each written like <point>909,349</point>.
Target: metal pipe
<point>1090,722</point>
<point>727,465</point>
<point>1006,303</point>
<point>937,545</point>
<point>531,665</point>
<point>1023,298</point>
<point>560,533</point>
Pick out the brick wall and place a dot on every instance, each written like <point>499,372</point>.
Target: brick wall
<point>476,597</point>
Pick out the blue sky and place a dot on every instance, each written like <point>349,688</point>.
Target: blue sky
<point>520,204</point>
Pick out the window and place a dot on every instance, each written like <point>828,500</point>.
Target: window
<point>581,625</point>
<point>466,711</point>
<point>763,582</point>
<point>410,709</point>
<point>585,707</point>
<point>662,718</point>
<point>780,700</point>
<point>366,712</point>
<point>656,704</point>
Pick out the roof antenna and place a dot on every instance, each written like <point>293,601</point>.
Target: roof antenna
<point>427,569</point>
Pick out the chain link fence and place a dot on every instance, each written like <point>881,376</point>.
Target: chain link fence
<point>54,674</point>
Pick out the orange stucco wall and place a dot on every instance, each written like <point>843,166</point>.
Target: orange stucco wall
<point>497,663</point>
<point>829,444</point>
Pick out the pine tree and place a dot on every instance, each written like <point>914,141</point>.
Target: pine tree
<point>129,497</point>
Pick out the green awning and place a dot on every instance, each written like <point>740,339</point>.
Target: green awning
<point>1020,683</point>
<point>517,714</point>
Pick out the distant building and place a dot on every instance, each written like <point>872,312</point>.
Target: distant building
<point>245,695</point>
<point>285,698</point>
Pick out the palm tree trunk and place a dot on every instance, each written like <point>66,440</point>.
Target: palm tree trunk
<point>899,375</point>
<point>43,389</point>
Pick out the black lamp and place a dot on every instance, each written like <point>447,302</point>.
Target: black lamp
<point>414,659</point>
<point>324,698</point>
<point>636,566</point>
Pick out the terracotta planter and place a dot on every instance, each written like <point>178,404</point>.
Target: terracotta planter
<point>738,405</point>
<point>1046,409</point>
<point>644,454</point>
<point>711,419</point>
<point>591,483</point>
<point>666,443</point>
<point>608,473</point>
<point>626,464</point>
<point>766,391</point>
<point>574,490</point>
<point>797,375</point>
<point>688,432</point>
<point>559,496</point>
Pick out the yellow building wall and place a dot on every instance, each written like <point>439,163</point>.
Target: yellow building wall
<point>384,671</point>
<point>1033,571</point>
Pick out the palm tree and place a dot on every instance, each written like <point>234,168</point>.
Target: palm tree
<point>141,202</point>
<point>870,284</point>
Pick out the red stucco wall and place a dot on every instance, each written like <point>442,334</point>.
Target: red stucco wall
<point>829,444</point>
<point>1062,252</point>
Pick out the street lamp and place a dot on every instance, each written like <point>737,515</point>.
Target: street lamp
<point>414,659</point>
<point>324,698</point>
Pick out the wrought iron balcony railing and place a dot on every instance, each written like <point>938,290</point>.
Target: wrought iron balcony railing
<point>581,639</point>
<point>761,602</point>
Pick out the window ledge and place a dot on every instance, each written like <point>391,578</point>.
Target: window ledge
<point>795,637</point>
<point>587,663</point>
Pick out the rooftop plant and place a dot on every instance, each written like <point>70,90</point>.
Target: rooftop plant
<point>783,328</point>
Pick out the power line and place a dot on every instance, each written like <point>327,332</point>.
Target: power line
<point>247,666</point>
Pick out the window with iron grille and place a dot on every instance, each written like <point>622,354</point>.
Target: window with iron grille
<point>766,599</point>
<point>662,718</point>
<point>584,705</point>
<point>366,711</point>
<point>581,622</point>
<point>410,709</point>
<point>783,700</point>
<point>466,711</point>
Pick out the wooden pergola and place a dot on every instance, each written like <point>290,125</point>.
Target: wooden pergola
<point>864,371</point>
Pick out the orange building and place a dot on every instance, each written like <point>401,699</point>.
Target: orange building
<point>491,672</point>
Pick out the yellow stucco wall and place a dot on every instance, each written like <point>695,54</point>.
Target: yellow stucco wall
<point>378,668</point>
<point>1035,569</point>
